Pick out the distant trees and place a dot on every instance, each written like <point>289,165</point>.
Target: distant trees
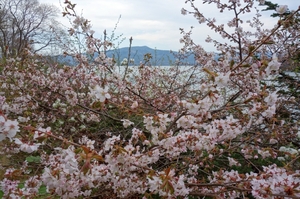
<point>25,24</point>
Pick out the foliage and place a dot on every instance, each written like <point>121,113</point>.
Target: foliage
<point>216,129</point>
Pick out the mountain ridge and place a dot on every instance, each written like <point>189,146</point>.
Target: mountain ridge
<point>159,57</point>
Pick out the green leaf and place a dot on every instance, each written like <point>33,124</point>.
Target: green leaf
<point>43,190</point>
<point>34,159</point>
<point>1,194</point>
<point>21,185</point>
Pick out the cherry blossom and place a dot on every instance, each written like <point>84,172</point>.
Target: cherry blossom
<point>271,99</point>
<point>217,128</point>
<point>134,105</point>
<point>281,9</point>
<point>273,65</point>
<point>28,148</point>
<point>126,123</point>
<point>222,79</point>
<point>8,128</point>
<point>99,93</point>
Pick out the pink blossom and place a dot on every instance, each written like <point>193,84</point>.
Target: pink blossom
<point>9,186</point>
<point>134,105</point>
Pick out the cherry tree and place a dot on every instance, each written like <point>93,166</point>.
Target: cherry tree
<point>216,129</point>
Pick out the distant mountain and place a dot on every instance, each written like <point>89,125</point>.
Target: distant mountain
<point>159,57</point>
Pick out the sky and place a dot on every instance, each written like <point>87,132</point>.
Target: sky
<point>155,23</point>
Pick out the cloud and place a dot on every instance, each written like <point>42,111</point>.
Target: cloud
<point>155,23</point>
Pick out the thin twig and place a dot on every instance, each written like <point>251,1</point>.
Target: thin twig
<point>128,58</point>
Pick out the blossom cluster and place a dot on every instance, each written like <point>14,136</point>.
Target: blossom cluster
<point>217,128</point>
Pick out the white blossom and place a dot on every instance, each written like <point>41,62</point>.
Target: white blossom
<point>8,128</point>
<point>281,9</point>
<point>25,147</point>
<point>222,79</point>
<point>126,123</point>
<point>100,93</point>
<point>273,66</point>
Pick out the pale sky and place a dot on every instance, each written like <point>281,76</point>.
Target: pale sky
<point>155,23</point>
